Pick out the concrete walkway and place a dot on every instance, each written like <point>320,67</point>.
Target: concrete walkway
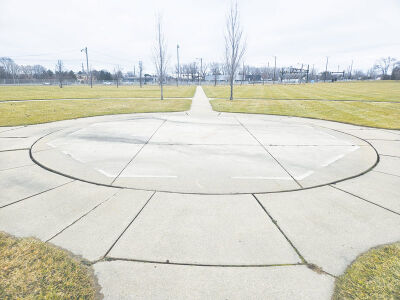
<point>204,205</point>
<point>200,104</point>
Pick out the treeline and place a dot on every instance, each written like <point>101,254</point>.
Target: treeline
<point>12,71</point>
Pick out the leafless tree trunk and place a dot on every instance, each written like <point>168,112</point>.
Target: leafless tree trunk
<point>60,72</point>
<point>117,74</point>
<point>140,72</point>
<point>160,55</point>
<point>214,68</point>
<point>234,44</point>
<point>203,71</point>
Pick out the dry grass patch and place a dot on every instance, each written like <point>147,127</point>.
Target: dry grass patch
<point>24,113</point>
<point>383,115</point>
<point>31,269</point>
<point>373,275</point>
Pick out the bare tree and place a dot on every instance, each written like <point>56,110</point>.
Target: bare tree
<point>203,71</point>
<point>60,72</point>
<point>215,71</point>
<point>117,75</point>
<point>140,72</point>
<point>193,70</point>
<point>383,65</point>
<point>234,44</point>
<point>10,67</point>
<point>160,55</point>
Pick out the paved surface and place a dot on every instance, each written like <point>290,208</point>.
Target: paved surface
<point>204,205</point>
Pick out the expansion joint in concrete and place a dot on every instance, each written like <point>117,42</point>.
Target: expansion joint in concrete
<point>304,261</point>
<point>130,223</point>
<point>361,198</point>
<point>31,196</point>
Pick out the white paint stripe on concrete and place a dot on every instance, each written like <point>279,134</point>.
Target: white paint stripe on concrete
<point>306,174</point>
<point>261,177</point>
<point>150,176</point>
<point>336,158</point>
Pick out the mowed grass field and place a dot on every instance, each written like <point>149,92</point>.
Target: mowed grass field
<point>34,112</point>
<point>356,90</point>
<point>85,92</point>
<point>376,103</point>
<point>382,115</point>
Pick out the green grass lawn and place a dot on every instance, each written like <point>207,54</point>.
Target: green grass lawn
<point>373,275</point>
<point>24,113</point>
<point>31,269</point>
<point>383,115</point>
<point>85,92</point>
<point>357,90</point>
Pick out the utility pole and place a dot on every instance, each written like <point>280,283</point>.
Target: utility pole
<point>177,57</point>
<point>274,71</point>
<point>326,68</point>
<point>243,76</point>
<point>87,66</point>
<point>308,70</point>
<point>351,69</point>
<point>201,67</point>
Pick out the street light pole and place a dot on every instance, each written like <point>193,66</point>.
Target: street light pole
<point>177,56</point>
<point>201,67</point>
<point>87,67</point>
<point>326,68</point>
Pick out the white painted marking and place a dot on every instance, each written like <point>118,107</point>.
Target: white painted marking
<point>306,174</point>
<point>150,176</point>
<point>262,177</point>
<point>336,158</point>
<point>105,173</point>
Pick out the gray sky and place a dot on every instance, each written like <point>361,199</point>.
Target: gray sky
<point>123,32</point>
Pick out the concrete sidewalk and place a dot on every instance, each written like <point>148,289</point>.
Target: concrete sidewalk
<point>189,241</point>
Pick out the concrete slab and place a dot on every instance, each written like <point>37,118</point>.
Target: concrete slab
<point>66,164</point>
<point>92,236</point>
<point>374,134</point>
<point>6,128</point>
<point>202,131</point>
<point>14,159</point>
<point>329,227</point>
<point>17,184</point>
<point>208,230</point>
<point>292,134</point>
<point>45,215</point>
<point>205,169</point>
<point>389,165</point>
<point>382,189</point>
<point>387,147</point>
<point>16,143</point>
<point>130,280</point>
<point>316,165</point>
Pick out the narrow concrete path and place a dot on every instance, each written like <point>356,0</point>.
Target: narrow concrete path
<point>201,105</point>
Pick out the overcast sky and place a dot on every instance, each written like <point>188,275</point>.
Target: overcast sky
<point>123,32</point>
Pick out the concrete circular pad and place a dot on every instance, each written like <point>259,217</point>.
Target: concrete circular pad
<point>207,155</point>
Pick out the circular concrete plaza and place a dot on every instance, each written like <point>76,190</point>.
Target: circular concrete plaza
<point>205,155</point>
